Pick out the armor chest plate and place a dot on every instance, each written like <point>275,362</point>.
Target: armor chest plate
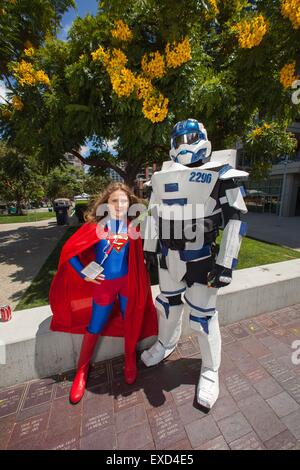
<point>184,193</point>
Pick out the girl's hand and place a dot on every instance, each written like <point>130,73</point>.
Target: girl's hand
<point>97,280</point>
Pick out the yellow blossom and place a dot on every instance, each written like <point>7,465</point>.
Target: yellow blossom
<point>251,32</point>
<point>144,87</point>
<point>29,52</point>
<point>155,108</point>
<point>154,65</point>
<point>42,77</point>
<point>123,82</point>
<point>6,113</point>
<point>100,55</point>
<point>291,9</point>
<point>213,9</point>
<point>178,54</point>
<point>117,61</point>
<point>25,73</point>
<point>17,103</point>
<point>121,31</point>
<point>288,75</point>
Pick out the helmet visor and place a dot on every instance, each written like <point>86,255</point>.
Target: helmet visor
<point>179,140</point>
<point>190,138</point>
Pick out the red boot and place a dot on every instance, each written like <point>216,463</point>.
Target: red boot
<point>86,353</point>
<point>130,370</point>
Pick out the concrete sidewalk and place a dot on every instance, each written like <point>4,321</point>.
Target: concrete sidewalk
<point>274,229</point>
<point>258,407</point>
<point>24,248</point>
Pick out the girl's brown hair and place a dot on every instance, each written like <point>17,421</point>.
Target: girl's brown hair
<point>91,214</point>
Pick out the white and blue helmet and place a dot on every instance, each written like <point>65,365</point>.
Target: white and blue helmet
<point>189,142</point>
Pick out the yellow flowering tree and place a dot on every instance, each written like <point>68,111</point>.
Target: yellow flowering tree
<point>130,72</point>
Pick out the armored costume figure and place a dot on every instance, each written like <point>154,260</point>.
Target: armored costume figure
<point>192,197</point>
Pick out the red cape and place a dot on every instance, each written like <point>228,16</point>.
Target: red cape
<point>71,297</point>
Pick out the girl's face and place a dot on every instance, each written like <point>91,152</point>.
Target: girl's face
<point>118,204</point>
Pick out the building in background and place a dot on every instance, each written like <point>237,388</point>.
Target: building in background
<point>280,192</point>
<point>72,160</point>
<point>142,178</point>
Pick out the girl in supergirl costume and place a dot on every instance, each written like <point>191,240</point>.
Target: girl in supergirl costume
<point>118,302</point>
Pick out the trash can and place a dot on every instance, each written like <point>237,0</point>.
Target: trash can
<point>61,207</point>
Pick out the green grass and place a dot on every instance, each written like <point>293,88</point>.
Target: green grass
<point>252,253</point>
<point>31,217</point>
<point>37,293</point>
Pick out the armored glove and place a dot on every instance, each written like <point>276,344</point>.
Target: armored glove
<point>219,276</point>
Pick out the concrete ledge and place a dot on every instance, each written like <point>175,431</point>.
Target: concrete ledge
<point>28,350</point>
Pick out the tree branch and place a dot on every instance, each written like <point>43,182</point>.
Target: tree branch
<point>2,97</point>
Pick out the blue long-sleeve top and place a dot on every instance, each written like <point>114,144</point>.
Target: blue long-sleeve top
<point>116,264</point>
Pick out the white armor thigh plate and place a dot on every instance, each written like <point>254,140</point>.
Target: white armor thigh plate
<point>201,301</point>
<point>168,285</point>
<point>176,267</point>
<point>183,192</point>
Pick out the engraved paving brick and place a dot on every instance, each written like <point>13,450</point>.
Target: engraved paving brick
<point>130,417</point>
<point>218,443</point>
<point>254,347</point>
<point>283,441</point>
<point>190,412</point>
<point>104,439</point>
<point>201,431</point>
<point>35,442</point>
<point>155,394</point>
<point>228,367</point>
<point>10,399</point>
<point>137,437</point>
<point>188,347</point>
<point>117,365</point>
<point>68,440</point>
<point>127,399</point>
<point>256,375</point>
<point>224,407</point>
<point>63,415</point>
<point>285,316</point>
<point>166,426</point>
<point>98,374</point>
<point>252,326</point>
<point>6,428</point>
<point>292,422</point>
<point>238,387</point>
<point>236,352</point>
<point>38,392</point>
<point>226,336</point>
<point>276,347</point>
<point>183,393</point>
<point>283,404</point>
<point>263,420</point>
<point>180,445</point>
<point>237,331</point>
<point>63,389</point>
<point>250,365</point>
<point>97,418</point>
<point>277,370</point>
<point>33,411</point>
<point>29,428</point>
<point>292,386</point>
<point>233,427</point>
<point>266,321</point>
<point>268,387</point>
<point>248,442</point>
